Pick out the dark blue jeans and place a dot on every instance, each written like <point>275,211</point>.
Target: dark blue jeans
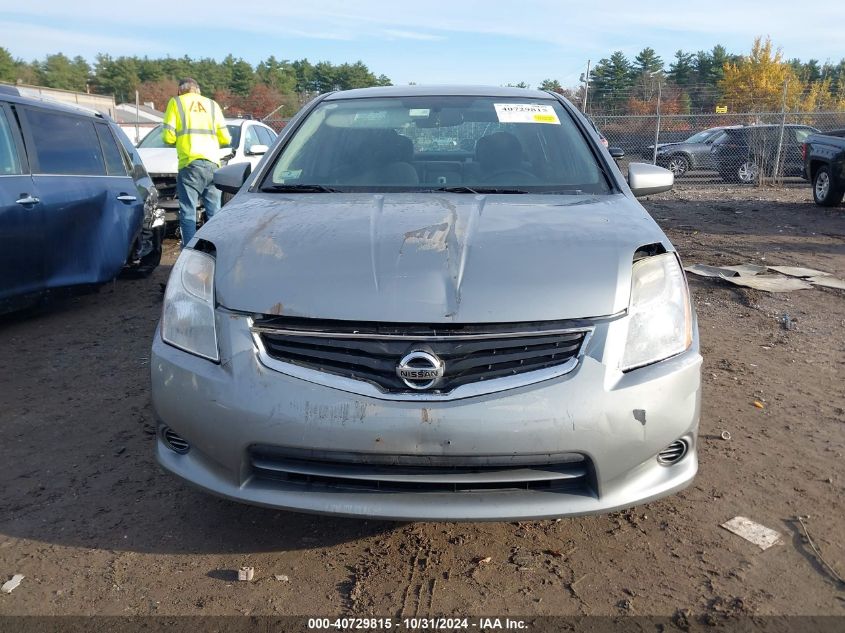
<point>193,182</point>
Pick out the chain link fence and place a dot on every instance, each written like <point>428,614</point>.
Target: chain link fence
<point>744,148</point>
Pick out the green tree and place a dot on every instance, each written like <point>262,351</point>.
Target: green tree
<point>243,78</point>
<point>276,74</point>
<point>610,81</point>
<point>551,85</point>
<point>646,62</point>
<point>8,66</point>
<point>682,71</point>
<point>118,77</point>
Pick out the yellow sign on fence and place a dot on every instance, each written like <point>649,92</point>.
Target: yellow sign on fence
<point>721,109</point>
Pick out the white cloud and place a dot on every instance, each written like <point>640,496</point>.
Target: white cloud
<point>412,35</point>
<point>32,41</point>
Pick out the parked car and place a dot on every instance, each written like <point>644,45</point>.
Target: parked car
<point>250,140</point>
<point>76,204</point>
<point>746,154</point>
<point>691,154</point>
<point>824,166</point>
<point>353,336</point>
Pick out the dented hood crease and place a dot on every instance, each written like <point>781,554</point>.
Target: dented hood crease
<point>428,257</point>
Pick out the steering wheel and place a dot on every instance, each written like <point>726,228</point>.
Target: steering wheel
<point>519,173</point>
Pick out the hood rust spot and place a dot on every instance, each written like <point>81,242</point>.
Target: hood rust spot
<point>429,238</point>
<point>277,309</point>
<point>266,245</point>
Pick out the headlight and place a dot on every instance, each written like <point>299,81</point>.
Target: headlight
<point>187,321</point>
<point>659,317</point>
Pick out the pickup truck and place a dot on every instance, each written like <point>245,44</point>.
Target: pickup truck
<point>824,166</point>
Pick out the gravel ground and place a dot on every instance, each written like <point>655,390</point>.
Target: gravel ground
<point>97,528</point>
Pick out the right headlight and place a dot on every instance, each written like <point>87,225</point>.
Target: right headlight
<point>187,321</point>
<point>659,315</point>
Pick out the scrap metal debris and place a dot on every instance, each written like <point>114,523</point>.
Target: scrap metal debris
<point>760,535</point>
<point>10,585</point>
<point>246,573</point>
<point>753,276</point>
<point>828,281</point>
<point>281,578</point>
<point>833,572</point>
<point>770,283</point>
<point>798,271</point>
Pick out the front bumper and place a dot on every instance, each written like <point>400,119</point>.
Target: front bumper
<point>618,422</point>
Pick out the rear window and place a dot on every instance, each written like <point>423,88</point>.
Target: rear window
<point>115,165</point>
<point>65,144</point>
<point>424,143</point>
<point>10,163</point>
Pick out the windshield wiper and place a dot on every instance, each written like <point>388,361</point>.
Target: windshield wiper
<point>479,190</point>
<point>298,189</point>
<point>456,189</point>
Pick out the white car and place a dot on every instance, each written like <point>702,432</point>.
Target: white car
<point>250,141</point>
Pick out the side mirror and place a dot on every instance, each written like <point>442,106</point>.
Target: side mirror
<point>645,179</point>
<point>616,152</point>
<point>257,150</point>
<point>231,177</point>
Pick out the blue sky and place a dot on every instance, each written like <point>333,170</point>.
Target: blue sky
<point>431,41</point>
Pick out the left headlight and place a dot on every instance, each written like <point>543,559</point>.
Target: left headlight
<point>187,321</point>
<point>660,317</point>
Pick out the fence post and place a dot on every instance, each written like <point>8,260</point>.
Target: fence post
<point>657,126</point>
<point>777,174</point>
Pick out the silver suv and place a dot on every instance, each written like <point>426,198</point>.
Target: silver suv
<point>384,324</point>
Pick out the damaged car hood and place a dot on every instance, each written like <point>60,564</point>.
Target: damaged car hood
<point>428,258</point>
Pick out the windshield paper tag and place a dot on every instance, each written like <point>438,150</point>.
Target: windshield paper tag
<point>526,113</point>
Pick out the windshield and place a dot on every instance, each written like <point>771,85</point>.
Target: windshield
<point>465,144</point>
<point>154,139</point>
<point>700,137</point>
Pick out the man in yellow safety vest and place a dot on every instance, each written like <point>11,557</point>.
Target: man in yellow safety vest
<point>195,124</point>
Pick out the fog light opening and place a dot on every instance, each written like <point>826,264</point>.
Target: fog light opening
<point>673,453</point>
<point>174,441</point>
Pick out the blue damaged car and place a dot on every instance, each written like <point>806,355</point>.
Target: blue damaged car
<point>76,204</point>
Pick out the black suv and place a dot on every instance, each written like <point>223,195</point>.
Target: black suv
<point>76,204</point>
<point>746,154</point>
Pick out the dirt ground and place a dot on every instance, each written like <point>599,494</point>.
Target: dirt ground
<point>97,528</point>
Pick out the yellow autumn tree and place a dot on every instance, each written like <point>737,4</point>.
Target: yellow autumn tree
<point>819,95</point>
<point>756,82</point>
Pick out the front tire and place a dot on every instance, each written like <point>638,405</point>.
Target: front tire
<point>678,165</point>
<point>748,172</point>
<point>824,192</point>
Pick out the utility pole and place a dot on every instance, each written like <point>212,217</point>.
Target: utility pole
<point>586,79</point>
<point>137,118</point>
<point>657,127</point>
<point>782,125</point>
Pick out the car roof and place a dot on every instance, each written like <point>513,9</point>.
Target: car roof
<point>438,91</point>
<point>11,94</point>
<point>241,122</point>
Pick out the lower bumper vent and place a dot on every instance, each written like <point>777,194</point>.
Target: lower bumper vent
<point>673,453</point>
<point>174,441</point>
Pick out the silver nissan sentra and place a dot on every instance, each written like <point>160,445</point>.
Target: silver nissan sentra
<point>431,304</point>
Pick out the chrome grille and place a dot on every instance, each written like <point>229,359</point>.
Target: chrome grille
<point>371,352</point>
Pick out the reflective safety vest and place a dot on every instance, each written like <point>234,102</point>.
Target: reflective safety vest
<point>197,127</point>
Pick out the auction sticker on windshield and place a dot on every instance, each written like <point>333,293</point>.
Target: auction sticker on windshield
<point>526,113</point>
